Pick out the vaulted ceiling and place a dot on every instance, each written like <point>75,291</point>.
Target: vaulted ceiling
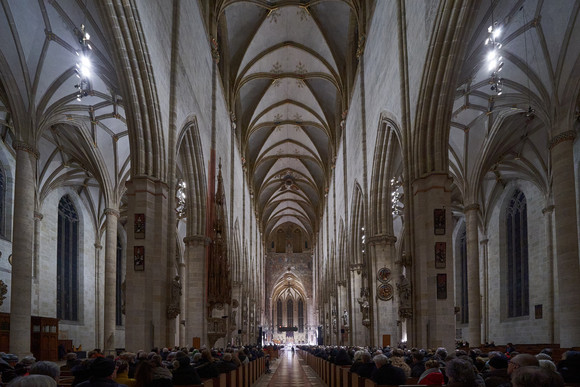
<point>287,66</point>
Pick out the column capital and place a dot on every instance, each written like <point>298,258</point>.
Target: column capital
<point>98,246</point>
<point>483,241</point>
<point>568,135</point>
<point>382,239</point>
<point>112,211</point>
<point>38,215</point>
<point>20,145</point>
<point>548,210</point>
<point>193,240</point>
<point>471,207</point>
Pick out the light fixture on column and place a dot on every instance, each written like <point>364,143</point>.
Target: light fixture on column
<point>83,68</point>
<point>494,58</point>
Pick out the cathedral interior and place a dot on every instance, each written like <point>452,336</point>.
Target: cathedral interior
<point>338,172</point>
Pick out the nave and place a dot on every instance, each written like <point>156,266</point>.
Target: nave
<point>289,370</point>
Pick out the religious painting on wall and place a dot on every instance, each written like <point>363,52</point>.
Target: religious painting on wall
<point>442,286</point>
<point>139,258</point>
<point>139,226</point>
<point>538,311</point>
<point>439,221</point>
<point>440,255</point>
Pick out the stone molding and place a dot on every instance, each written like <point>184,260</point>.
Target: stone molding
<point>568,135</point>
<point>483,241</point>
<point>98,246</point>
<point>196,240</point>
<point>356,267</point>
<point>382,239</point>
<point>38,215</point>
<point>471,207</point>
<point>112,211</point>
<point>20,145</point>
<point>548,209</point>
<point>432,181</point>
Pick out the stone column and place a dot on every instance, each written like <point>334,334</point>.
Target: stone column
<point>566,231</point>
<point>548,213</point>
<point>485,312</point>
<point>36,261</point>
<point>22,248</point>
<point>434,316</point>
<point>146,276</point>
<point>109,315</point>
<point>182,301</point>
<point>97,283</point>
<point>473,289</point>
<point>195,307</point>
<point>385,312</point>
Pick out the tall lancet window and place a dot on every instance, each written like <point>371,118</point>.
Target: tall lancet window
<point>517,256</point>
<point>300,315</point>
<point>279,312</point>
<point>67,282</point>
<point>290,312</point>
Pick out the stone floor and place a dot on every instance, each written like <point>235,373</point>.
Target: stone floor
<point>288,371</point>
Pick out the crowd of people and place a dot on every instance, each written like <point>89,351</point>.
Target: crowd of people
<point>157,368</point>
<point>394,366</point>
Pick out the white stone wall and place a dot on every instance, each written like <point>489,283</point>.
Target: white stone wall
<point>520,329</point>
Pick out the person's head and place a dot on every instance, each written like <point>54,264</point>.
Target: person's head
<point>156,361</point>
<point>122,366</point>
<point>227,356</point>
<point>71,357</point>
<point>196,357</point>
<point>33,381</point>
<point>380,360</point>
<point>417,357</point>
<point>543,356</point>
<point>206,355</point>
<point>102,368</point>
<point>10,358</point>
<point>547,364</point>
<point>531,376</point>
<point>441,353</point>
<point>365,357</point>
<point>522,360</point>
<point>461,371</point>
<point>498,362</point>
<point>45,368</point>
<point>143,374</point>
<point>432,363</point>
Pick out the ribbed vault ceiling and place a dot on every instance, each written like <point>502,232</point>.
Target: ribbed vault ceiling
<point>288,66</point>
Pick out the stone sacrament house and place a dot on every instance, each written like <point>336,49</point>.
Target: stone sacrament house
<point>345,172</point>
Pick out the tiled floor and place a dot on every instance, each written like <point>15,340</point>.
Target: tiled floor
<point>288,371</point>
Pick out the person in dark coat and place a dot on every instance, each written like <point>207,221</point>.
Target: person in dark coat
<point>183,372</point>
<point>342,358</point>
<point>365,366</point>
<point>101,370</point>
<point>569,367</point>
<point>497,374</point>
<point>227,364</point>
<point>386,373</point>
<point>418,364</point>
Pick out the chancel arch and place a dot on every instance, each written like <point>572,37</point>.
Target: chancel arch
<point>289,305</point>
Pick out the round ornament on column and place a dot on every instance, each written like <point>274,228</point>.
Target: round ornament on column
<point>385,292</point>
<point>384,275</point>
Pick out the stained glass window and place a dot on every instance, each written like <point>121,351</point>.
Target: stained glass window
<point>67,260</point>
<point>517,256</point>
<point>300,315</point>
<point>2,198</point>
<point>279,312</point>
<point>290,313</point>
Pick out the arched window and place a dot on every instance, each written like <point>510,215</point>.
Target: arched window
<point>2,203</point>
<point>290,312</point>
<point>119,284</point>
<point>67,260</point>
<point>279,312</point>
<point>300,315</point>
<point>517,256</point>
<point>463,316</point>
<point>297,242</point>
<point>280,241</point>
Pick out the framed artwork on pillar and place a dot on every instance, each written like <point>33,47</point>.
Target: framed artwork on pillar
<point>439,221</point>
<point>441,286</point>
<point>139,226</point>
<point>440,255</point>
<point>139,258</point>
